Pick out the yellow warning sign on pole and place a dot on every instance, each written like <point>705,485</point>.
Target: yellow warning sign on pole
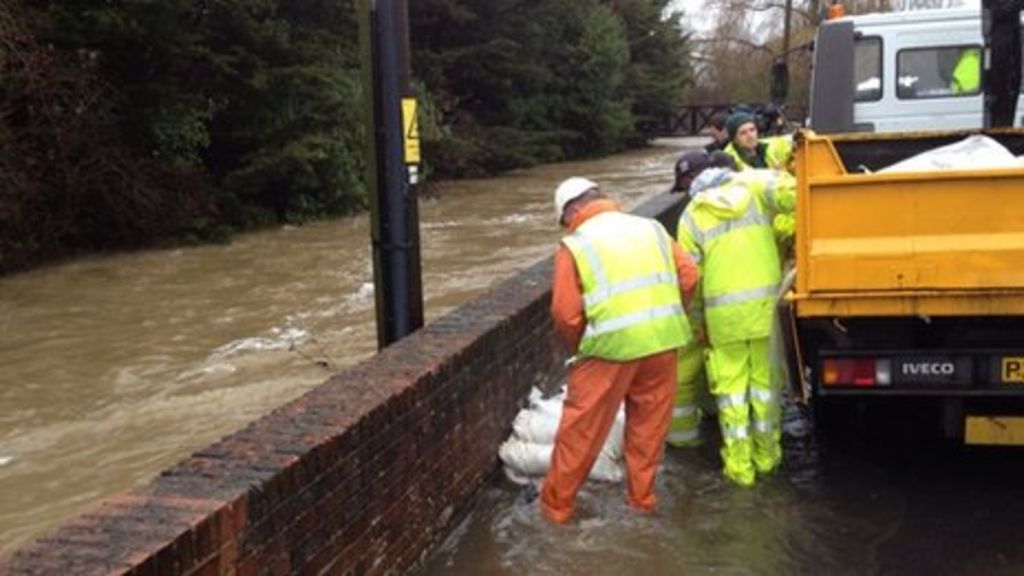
<point>410,131</point>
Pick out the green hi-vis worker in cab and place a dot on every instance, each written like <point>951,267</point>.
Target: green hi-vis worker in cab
<point>750,152</point>
<point>727,229</point>
<point>967,73</point>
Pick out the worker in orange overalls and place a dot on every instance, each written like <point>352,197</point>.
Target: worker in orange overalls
<point>619,286</point>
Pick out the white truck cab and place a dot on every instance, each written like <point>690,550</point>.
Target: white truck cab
<point>899,71</point>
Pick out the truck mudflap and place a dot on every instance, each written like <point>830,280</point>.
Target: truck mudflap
<point>953,373</point>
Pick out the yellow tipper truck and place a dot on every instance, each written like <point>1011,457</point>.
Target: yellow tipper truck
<point>910,284</point>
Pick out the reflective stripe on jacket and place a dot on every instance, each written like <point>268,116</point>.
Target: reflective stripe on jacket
<point>730,226</point>
<point>630,290</point>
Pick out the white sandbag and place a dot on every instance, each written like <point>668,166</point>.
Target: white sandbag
<point>539,424</point>
<point>536,426</point>
<point>613,444</point>
<point>552,405</point>
<point>535,396</point>
<point>527,452</point>
<point>517,478</point>
<point>607,470</point>
<point>525,460</point>
<point>974,152</point>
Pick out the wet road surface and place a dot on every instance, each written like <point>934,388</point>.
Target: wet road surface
<point>870,505</point>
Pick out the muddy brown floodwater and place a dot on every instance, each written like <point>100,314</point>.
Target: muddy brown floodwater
<point>116,367</point>
<point>894,502</point>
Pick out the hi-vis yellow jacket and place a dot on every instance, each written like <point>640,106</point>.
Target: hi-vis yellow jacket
<point>728,231</point>
<point>775,153</point>
<point>630,289</point>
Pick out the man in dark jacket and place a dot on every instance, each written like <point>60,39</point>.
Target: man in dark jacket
<point>719,135</point>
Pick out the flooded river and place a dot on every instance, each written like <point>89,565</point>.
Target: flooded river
<point>116,367</point>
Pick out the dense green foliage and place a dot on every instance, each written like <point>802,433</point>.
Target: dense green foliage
<point>127,122</point>
<point>517,82</point>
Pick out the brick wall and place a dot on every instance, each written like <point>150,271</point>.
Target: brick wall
<point>363,474</point>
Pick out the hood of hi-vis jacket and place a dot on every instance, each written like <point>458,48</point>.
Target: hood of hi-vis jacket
<point>725,202</point>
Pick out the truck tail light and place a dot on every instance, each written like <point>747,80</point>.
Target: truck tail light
<point>863,372</point>
<point>883,372</point>
<point>856,372</point>
<point>830,372</point>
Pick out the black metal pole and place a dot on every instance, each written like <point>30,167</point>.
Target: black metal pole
<point>393,161</point>
<point>1001,72</point>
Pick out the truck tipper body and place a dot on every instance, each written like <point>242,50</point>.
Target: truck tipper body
<point>910,284</point>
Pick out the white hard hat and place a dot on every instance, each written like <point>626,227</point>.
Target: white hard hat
<point>569,190</point>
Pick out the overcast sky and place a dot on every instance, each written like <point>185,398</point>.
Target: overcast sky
<point>696,16</point>
<point>699,13</point>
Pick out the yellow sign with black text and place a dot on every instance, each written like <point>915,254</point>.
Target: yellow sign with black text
<point>410,131</point>
<point>1013,369</point>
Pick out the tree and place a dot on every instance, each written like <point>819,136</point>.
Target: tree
<point>659,66</point>
<point>516,82</point>
<point>126,123</point>
<point>261,96</point>
<point>70,178</point>
<point>285,127</point>
<point>746,36</point>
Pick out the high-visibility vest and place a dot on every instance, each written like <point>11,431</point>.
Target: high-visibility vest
<point>630,287</point>
<point>739,260</point>
<point>741,161</point>
<point>779,152</point>
<point>967,74</point>
<point>775,152</point>
<point>778,191</point>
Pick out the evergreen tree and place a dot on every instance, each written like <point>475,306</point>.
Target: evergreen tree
<point>260,96</point>
<point>659,66</point>
<point>125,122</point>
<point>520,82</point>
<point>286,128</point>
<point>72,178</point>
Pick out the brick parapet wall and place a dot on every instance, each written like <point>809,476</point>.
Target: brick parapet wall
<point>364,474</point>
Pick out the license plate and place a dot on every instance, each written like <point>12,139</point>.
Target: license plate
<point>994,430</point>
<point>1013,370</point>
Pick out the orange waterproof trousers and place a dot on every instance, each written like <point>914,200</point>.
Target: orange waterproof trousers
<point>595,391</point>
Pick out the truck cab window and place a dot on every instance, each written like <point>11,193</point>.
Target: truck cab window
<point>948,71</point>
<point>867,69</point>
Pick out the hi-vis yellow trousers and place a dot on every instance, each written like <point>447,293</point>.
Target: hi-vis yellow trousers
<point>749,411</point>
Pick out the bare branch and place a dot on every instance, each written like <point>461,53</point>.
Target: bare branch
<point>742,6</point>
<point>734,40</point>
